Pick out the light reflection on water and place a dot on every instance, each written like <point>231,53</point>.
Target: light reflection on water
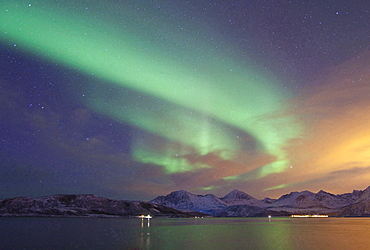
<point>206,233</point>
<point>145,234</point>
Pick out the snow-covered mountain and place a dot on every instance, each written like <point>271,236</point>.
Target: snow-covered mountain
<point>237,197</point>
<point>184,204</point>
<point>352,197</point>
<point>361,206</point>
<point>83,205</point>
<point>185,201</point>
<point>364,195</point>
<point>313,203</point>
<point>308,199</point>
<point>268,200</point>
<point>238,203</point>
<point>235,203</point>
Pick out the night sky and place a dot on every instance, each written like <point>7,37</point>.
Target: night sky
<point>135,99</point>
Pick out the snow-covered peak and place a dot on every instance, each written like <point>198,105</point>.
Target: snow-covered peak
<point>237,194</point>
<point>294,198</point>
<point>322,192</point>
<point>365,195</point>
<point>268,200</point>
<point>352,197</point>
<point>307,199</point>
<point>287,198</point>
<point>237,200</point>
<point>181,193</point>
<point>184,200</point>
<point>237,197</point>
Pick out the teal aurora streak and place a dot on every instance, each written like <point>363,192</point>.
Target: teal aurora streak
<point>198,97</point>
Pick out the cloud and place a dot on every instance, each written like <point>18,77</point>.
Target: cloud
<point>219,168</point>
<point>335,110</point>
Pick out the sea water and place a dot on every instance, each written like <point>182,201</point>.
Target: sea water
<point>191,233</point>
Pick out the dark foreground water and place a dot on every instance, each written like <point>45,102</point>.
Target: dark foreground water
<point>207,233</point>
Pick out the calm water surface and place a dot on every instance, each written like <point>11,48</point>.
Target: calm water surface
<point>207,233</point>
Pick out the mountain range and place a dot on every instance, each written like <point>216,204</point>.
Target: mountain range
<point>184,204</point>
<point>240,204</point>
<point>84,205</point>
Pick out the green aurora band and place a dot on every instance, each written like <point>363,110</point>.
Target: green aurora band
<point>208,95</point>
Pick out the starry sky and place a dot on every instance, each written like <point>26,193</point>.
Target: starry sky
<point>135,99</point>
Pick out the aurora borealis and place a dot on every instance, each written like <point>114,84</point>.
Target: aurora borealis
<point>134,99</point>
